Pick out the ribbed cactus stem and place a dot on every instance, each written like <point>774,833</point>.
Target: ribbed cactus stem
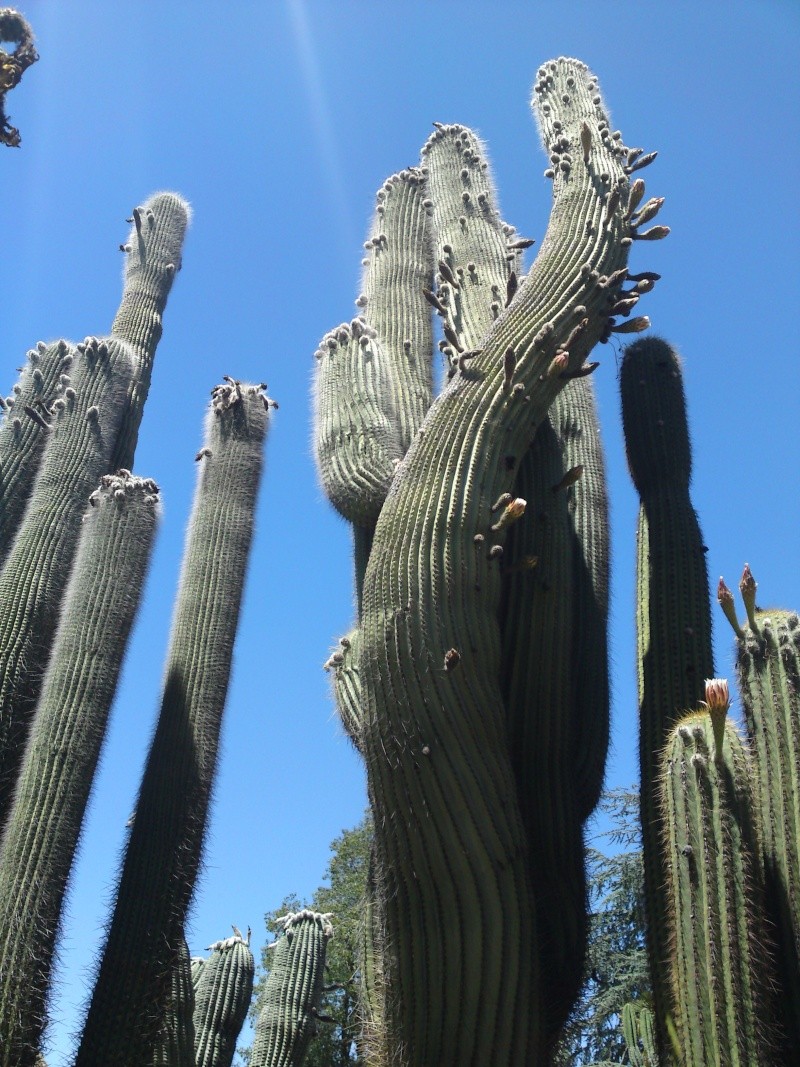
<point>222,1000</point>
<point>343,662</point>
<point>165,847</point>
<point>720,957</point>
<point>455,865</point>
<point>153,255</point>
<point>768,670</point>
<point>25,429</point>
<point>288,1019</point>
<point>673,622</point>
<point>33,579</point>
<point>45,821</point>
<point>175,1042</point>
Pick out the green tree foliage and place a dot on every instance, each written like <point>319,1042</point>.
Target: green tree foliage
<point>336,1044</point>
<point>616,962</point>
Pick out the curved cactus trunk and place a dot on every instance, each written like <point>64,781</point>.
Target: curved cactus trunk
<point>165,847</point>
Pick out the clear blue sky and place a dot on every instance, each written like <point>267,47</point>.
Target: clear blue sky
<point>278,121</point>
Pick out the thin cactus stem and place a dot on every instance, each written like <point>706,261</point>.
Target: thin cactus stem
<point>673,611</point>
<point>164,850</point>
<point>45,821</point>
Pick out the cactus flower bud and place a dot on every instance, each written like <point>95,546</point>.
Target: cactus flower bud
<point>718,700</point>
<point>514,510</point>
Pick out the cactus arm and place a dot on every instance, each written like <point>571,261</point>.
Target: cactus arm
<point>456,863</point>
<point>68,730</point>
<point>673,613</point>
<point>24,430</point>
<point>164,850</point>
<point>720,963</point>
<point>222,1001</point>
<point>288,1019</point>
<point>153,254</point>
<point>398,266</point>
<point>36,569</point>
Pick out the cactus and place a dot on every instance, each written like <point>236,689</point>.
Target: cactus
<point>288,1019</point>
<point>673,610</point>
<point>720,967</point>
<point>95,407</point>
<point>222,998</point>
<point>639,1030</point>
<point>164,849</point>
<point>47,814</point>
<point>768,672</point>
<point>472,832</point>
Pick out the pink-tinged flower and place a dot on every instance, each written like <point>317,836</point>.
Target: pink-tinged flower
<point>718,697</point>
<point>514,510</point>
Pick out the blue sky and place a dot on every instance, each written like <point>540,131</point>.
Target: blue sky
<point>278,122</point>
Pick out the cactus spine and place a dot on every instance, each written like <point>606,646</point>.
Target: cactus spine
<point>68,730</point>
<point>288,1019</point>
<point>222,999</point>
<point>174,1046</point>
<point>164,850</point>
<point>720,965</point>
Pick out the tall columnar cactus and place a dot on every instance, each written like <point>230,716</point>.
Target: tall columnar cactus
<point>673,610</point>
<point>445,601</point>
<point>46,818</point>
<point>768,671</point>
<point>85,404</point>
<point>720,966</point>
<point>165,846</point>
<point>222,999</point>
<point>289,1017</point>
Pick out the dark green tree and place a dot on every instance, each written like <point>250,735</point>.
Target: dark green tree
<point>616,962</point>
<point>336,1044</point>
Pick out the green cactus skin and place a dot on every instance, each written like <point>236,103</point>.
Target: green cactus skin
<point>720,962</point>
<point>370,961</point>
<point>153,257</point>
<point>374,376</point>
<point>45,822</point>
<point>638,1026</point>
<point>175,1042</point>
<point>24,430</point>
<point>357,437</point>
<point>768,670</point>
<point>222,1000</point>
<point>398,265</point>
<point>461,965</point>
<point>673,611</point>
<point>198,966</point>
<point>36,570</point>
<point>165,846</point>
<point>288,1020</point>
<point>347,686</point>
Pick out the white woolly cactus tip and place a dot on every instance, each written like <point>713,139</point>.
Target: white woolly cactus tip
<point>294,918</point>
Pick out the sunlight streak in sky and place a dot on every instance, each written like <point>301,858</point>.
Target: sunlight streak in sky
<point>330,161</point>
